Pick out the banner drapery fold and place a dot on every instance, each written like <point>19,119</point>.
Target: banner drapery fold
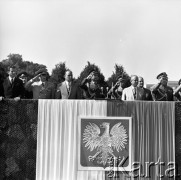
<point>57,139</point>
<point>153,134</point>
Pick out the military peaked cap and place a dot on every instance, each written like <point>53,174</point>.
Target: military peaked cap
<point>163,74</point>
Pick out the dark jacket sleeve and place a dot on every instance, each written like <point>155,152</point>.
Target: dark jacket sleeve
<point>83,84</point>
<point>154,91</point>
<point>1,89</point>
<point>79,94</point>
<point>58,92</point>
<point>19,92</point>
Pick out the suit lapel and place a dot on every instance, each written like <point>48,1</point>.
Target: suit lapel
<point>14,81</point>
<point>70,89</point>
<point>140,92</point>
<point>8,82</point>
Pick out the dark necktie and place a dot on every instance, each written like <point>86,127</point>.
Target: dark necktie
<point>68,88</point>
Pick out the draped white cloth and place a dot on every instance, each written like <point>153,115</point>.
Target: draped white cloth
<point>57,138</point>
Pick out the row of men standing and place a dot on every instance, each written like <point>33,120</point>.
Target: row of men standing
<point>40,88</point>
<point>158,92</point>
<point>17,87</point>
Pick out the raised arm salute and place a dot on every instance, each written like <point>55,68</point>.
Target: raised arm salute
<point>161,91</point>
<point>91,88</point>
<point>42,89</point>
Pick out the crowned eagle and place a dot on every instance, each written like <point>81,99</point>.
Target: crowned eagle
<point>114,139</point>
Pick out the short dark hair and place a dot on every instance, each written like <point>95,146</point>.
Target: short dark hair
<point>11,67</point>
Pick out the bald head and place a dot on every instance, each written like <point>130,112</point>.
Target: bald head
<point>134,80</point>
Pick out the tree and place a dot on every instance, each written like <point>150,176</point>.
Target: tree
<point>12,60</point>
<point>17,60</point>
<point>118,71</point>
<point>58,73</point>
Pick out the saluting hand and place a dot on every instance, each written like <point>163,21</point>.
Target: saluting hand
<point>89,76</point>
<point>17,98</point>
<point>36,78</point>
<point>160,80</point>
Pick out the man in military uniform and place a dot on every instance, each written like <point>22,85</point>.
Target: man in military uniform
<point>116,91</point>
<point>160,91</point>
<point>42,89</point>
<point>91,87</point>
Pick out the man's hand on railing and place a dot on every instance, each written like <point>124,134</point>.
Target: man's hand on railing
<point>17,98</point>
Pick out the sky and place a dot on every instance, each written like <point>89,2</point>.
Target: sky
<point>144,36</point>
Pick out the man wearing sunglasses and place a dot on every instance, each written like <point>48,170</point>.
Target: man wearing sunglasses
<point>42,89</point>
<point>161,91</point>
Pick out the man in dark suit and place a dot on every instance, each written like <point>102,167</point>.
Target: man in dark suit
<point>160,91</point>
<point>13,87</point>
<point>147,92</point>
<point>68,89</point>
<point>23,76</point>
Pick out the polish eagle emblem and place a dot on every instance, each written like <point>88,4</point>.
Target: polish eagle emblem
<point>105,144</point>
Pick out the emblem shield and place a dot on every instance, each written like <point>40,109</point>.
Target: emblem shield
<point>104,143</point>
